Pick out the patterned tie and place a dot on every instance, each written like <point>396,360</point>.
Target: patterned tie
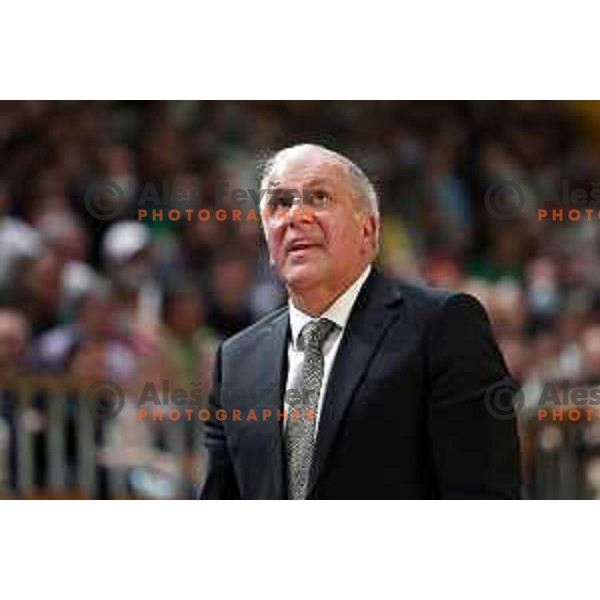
<point>300,434</point>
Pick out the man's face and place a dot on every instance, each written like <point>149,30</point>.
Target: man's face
<point>326,238</point>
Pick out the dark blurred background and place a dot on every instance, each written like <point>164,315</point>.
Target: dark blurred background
<point>90,293</point>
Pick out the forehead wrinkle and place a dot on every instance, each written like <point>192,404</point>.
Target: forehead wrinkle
<point>302,170</point>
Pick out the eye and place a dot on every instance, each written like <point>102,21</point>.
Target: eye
<point>320,199</point>
<point>281,201</point>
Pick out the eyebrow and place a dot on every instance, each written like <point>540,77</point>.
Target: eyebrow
<point>312,183</point>
<point>277,191</point>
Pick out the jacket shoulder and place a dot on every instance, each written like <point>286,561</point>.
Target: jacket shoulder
<point>423,296</point>
<point>431,303</point>
<point>252,332</point>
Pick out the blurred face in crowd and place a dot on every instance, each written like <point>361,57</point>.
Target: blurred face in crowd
<point>89,363</point>
<point>231,280</point>
<point>96,315</point>
<point>319,229</point>
<point>184,314</point>
<point>129,275</point>
<point>590,343</point>
<point>43,281</point>
<point>13,336</point>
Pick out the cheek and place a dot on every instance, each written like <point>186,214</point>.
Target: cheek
<point>344,233</point>
<point>332,230</point>
<point>275,240</point>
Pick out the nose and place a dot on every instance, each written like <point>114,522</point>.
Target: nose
<point>300,213</point>
<point>296,215</point>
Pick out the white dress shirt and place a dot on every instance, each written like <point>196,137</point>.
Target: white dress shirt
<point>339,313</point>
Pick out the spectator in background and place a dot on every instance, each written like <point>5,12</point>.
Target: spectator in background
<point>230,284</point>
<point>130,261</point>
<point>14,336</point>
<point>187,345</point>
<point>19,243</point>
<point>39,288</point>
<point>590,350</point>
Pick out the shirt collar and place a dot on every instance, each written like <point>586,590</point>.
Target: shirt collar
<point>338,312</point>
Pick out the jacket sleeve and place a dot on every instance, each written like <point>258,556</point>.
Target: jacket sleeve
<point>220,483</point>
<point>471,421</point>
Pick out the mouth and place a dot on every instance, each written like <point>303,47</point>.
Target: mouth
<point>297,247</point>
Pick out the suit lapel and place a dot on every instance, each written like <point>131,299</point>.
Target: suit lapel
<point>271,364</point>
<point>368,321</point>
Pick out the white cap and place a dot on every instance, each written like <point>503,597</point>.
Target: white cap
<point>123,240</point>
<point>17,240</point>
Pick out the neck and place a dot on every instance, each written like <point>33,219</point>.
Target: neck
<point>314,301</point>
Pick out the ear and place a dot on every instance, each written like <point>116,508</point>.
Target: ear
<point>370,229</point>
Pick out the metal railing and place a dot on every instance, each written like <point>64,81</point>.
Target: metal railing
<point>54,445</point>
<point>560,439</point>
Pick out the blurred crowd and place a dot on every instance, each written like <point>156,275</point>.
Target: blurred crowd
<point>89,290</point>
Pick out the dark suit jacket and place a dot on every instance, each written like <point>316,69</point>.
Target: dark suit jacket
<point>404,415</point>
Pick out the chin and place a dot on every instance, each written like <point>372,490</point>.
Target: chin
<point>303,276</point>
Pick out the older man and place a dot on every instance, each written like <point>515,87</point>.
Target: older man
<point>360,387</point>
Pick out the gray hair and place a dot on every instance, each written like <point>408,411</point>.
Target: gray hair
<point>360,181</point>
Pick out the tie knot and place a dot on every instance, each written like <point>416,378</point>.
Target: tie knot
<point>314,333</point>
